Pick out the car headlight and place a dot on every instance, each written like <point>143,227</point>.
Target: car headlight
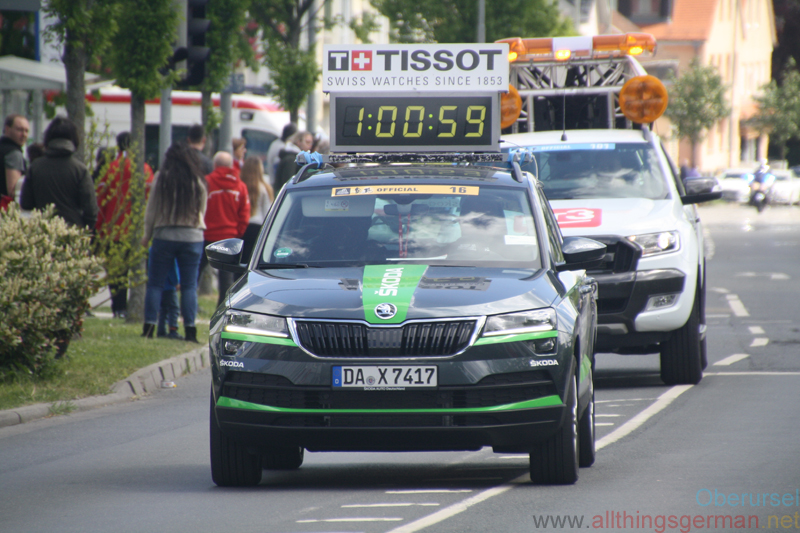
<point>534,321</point>
<point>255,324</point>
<point>657,243</point>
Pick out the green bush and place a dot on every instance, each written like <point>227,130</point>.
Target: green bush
<point>47,275</point>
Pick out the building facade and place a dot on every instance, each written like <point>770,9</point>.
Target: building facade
<point>736,37</point>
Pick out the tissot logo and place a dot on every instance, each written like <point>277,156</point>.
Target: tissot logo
<point>338,60</point>
<point>361,60</point>
<point>415,60</point>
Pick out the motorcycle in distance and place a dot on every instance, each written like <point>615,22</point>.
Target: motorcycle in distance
<point>760,187</point>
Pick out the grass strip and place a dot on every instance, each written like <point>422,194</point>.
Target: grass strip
<point>108,351</point>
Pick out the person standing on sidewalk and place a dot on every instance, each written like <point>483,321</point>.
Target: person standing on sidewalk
<point>174,220</point>
<point>197,141</point>
<point>261,198</point>
<point>15,134</point>
<point>59,178</point>
<point>115,201</point>
<point>227,215</point>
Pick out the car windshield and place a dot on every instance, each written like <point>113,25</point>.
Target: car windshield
<point>609,170</point>
<point>457,225</point>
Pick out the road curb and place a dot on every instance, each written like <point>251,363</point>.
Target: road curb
<point>144,381</point>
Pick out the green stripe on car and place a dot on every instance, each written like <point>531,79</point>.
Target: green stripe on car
<point>497,339</point>
<point>263,339</point>
<point>390,284</point>
<point>547,401</point>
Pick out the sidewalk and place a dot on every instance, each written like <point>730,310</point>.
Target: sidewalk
<point>142,382</point>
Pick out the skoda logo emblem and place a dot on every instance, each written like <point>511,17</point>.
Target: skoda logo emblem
<point>385,311</point>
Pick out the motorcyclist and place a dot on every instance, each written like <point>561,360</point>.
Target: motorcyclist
<point>761,184</point>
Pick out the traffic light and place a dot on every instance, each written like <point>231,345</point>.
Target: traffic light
<point>196,52</point>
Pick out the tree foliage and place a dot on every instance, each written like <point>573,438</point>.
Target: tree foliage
<point>227,42</point>
<point>779,108</point>
<point>294,72</point>
<point>697,101</point>
<point>142,46</point>
<point>85,29</point>
<point>455,21</point>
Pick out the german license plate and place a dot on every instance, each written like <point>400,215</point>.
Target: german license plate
<point>392,377</point>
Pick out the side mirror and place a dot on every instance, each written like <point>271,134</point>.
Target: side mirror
<point>226,255</point>
<point>581,253</point>
<point>700,190</point>
<point>701,197</point>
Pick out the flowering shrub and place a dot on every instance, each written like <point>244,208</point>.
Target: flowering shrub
<point>47,275</point>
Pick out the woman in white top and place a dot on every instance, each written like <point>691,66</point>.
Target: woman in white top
<point>261,197</point>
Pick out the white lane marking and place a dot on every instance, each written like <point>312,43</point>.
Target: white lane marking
<point>320,520</point>
<point>751,373</point>
<point>628,427</point>
<point>405,504</point>
<point>458,507</point>
<point>731,359</point>
<point>443,514</point>
<point>779,276</point>
<point>756,330</point>
<point>597,414</point>
<point>720,290</point>
<point>427,491</point>
<point>514,456</point>
<point>759,341</point>
<point>717,316</point>
<point>627,400</point>
<point>736,305</point>
<point>604,423</point>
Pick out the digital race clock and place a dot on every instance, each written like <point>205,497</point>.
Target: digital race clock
<point>419,123</point>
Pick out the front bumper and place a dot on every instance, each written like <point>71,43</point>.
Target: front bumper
<point>491,395</point>
<point>622,299</point>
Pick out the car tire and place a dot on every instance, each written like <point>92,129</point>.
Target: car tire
<point>283,458</point>
<point>231,464</point>
<point>586,435</point>
<point>555,461</point>
<point>682,354</point>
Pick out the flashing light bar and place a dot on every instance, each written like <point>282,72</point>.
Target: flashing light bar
<point>565,48</point>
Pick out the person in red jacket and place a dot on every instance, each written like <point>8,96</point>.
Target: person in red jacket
<point>227,212</point>
<point>114,202</point>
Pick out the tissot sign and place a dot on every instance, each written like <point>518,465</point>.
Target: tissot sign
<point>416,67</point>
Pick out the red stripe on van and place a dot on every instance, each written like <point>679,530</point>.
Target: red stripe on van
<point>187,100</point>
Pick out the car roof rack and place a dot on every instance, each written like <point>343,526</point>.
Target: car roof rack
<point>314,161</point>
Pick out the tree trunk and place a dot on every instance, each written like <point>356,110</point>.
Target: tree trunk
<point>139,278</point>
<point>75,66</point>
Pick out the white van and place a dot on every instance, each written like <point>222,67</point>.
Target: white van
<point>258,119</point>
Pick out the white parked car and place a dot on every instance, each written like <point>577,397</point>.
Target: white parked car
<point>786,188</point>
<point>735,183</point>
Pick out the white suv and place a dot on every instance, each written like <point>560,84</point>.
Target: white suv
<point>618,186</point>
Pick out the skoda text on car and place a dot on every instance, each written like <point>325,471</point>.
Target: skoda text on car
<point>407,306</point>
<point>579,107</point>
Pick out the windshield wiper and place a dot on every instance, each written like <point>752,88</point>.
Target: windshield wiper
<point>285,265</point>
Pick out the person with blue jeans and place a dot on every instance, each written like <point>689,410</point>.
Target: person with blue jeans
<point>174,220</point>
<point>170,310</point>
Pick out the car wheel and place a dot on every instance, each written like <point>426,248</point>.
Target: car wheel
<point>586,435</point>
<point>555,461</point>
<point>682,354</point>
<point>283,458</point>
<point>231,464</point>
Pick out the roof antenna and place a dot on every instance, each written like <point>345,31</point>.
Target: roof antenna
<point>564,116</point>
